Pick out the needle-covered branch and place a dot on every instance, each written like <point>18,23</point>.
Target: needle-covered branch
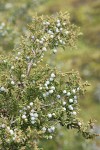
<point>35,98</point>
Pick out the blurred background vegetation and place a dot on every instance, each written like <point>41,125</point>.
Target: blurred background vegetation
<point>16,15</point>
